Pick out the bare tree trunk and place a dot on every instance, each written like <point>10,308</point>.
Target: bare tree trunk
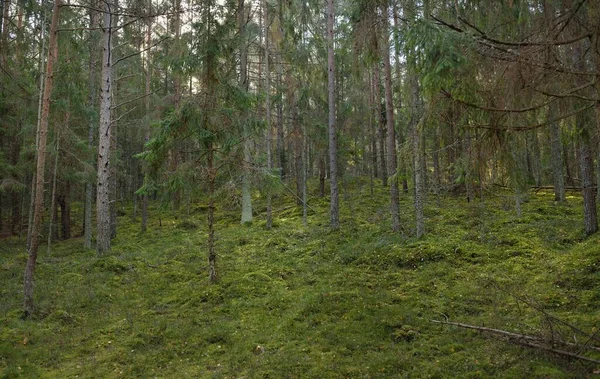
<point>246,195</point>
<point>113,178</point>
<point>39,121</point>
<point>104,140</point>
<point>92,101</point>
<point>41,163</point>
<point>212,255</point>
<point>280,132</point>
<point>402,168</point>
<point>147,131</point>
<point>268,111</point>
<point>51,234</point>
<point>392,160</point>
<point>334,205</point>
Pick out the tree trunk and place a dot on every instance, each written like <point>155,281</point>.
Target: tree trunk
<point>212,255</point>
<point>379,119</point>
<point>104,140</point>
<point>52,233</point>
<point>402,168</point>
<point>41,163</point>
<point>590,219</point>
<point>65,210</point>
<point>246,194</point>
<point>92,103</point>
<point>334,202</point>
<point>268,112</point>
<point>280,132</point>
<point>113,179</point>
<point>391,133</point>
<point>145,196</point>
<point>39,121</point>
<point>372,127</point>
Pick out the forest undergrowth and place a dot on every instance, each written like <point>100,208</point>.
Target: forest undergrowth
<point>302,301</point>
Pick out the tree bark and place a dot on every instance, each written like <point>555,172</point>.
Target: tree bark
<point>104,138</point>
<point>113,179</point>
<point>392,160</point>
<point>246,194</point>
<point>92,103</point>
<point>334,202</point>
<point>268,112</point>
<point>590,218</point>
<point>379,119</point>
<point>28,305</point>
<point>145,196</point>
<point>51,232</point>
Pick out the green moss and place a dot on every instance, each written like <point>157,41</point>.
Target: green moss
<point>305,301</point>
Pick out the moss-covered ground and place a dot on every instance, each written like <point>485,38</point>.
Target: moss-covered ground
<point>305,302</point>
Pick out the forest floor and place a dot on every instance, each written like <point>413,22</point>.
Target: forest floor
<point>305,302</point>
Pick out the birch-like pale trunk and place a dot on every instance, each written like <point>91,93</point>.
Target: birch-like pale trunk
<point>92,100</point>
<point>104,140</point>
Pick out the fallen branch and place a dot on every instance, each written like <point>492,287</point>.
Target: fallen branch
<point>525,340</point>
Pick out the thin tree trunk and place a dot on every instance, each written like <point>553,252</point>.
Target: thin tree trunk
<point>145,196</point>
<point>280,132</point>
<point>402,168</point>
<point>268,112</point>
<point>372,127</point>
<point>246,195</point>
<point>334,205</point>
<point>113,179</point>
<point>28,305</point>
<point>37,134</point>
<point>212,256</point>
<point>65,211</point>
<point>391,133</point>
<point>51,234</point>
<point>104,140</point>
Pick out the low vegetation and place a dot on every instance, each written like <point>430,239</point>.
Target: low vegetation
<point>301,301</point>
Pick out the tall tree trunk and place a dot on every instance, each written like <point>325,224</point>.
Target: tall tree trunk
<point>416,137</point>
<point>145,196</point>
<point>92,103</point>
<point>246,195</point>
<point>402,168</point>
<point>556,154</point>
<point>104,140</point>
<point>37,134</point>
<point>280,132</point>
<point>391,157</point>
<point>334,205</point>
<point>41,163</point>
<point>268,111</point>
<point>113,178</point>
